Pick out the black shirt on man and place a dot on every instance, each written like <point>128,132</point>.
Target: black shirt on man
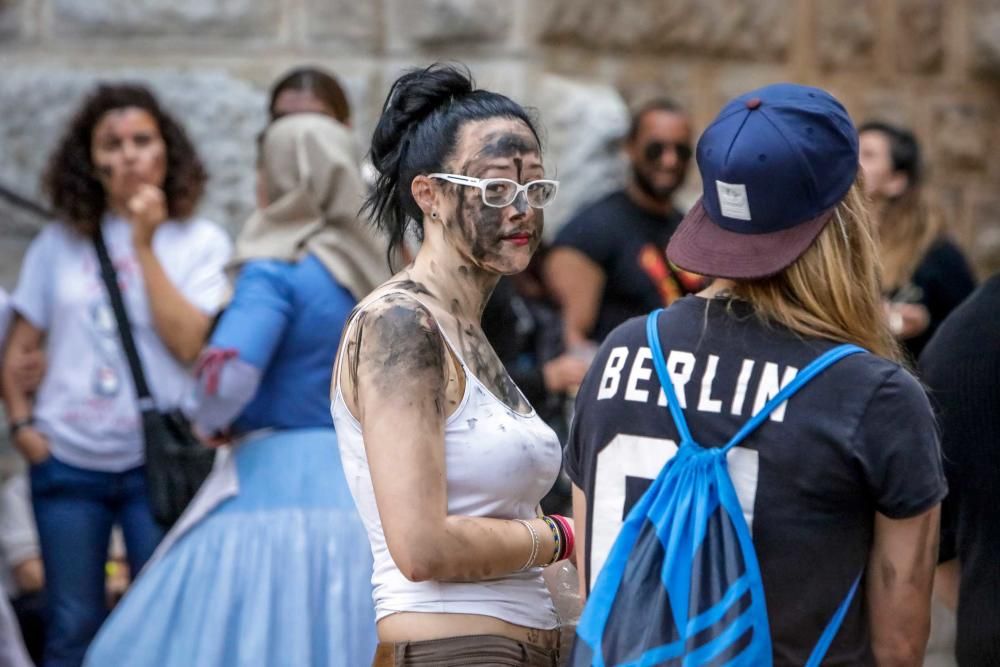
<point>629,243</point>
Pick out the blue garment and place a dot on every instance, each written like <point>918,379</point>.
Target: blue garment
<point>285,319</point>
<point>74,511</point>
<point>280,573</point>
<point>277,575</point>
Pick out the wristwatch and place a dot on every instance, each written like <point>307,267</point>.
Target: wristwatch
<point>17,425</point>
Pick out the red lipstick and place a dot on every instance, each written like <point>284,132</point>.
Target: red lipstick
<point>519,239</point>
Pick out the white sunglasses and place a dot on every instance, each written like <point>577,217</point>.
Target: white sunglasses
<point>500,192</point>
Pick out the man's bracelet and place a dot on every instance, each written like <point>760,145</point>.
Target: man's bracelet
<point>17,425</point>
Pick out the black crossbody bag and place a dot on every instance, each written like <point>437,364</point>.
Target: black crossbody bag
<point>176,461</point>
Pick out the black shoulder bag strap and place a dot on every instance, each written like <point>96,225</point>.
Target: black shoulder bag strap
<point>176,463</point>
<point>110,278</point>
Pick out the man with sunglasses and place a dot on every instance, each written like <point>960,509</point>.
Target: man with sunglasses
<point>609,263</point>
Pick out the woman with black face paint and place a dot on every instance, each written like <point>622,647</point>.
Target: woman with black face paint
<point>445,458</point>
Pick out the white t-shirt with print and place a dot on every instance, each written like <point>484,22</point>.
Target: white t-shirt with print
<point>87,405</point>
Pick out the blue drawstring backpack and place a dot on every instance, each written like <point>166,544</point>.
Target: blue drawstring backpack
<point>681,585</point>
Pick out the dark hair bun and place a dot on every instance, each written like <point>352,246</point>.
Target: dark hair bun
<point>413,97</point>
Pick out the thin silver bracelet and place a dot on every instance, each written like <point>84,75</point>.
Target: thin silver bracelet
<point>535,543</point>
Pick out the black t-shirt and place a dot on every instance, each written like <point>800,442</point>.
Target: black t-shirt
<point>941,281</point>
<point>859,439</point>
<point>961,365</point>
<point>629,244</point>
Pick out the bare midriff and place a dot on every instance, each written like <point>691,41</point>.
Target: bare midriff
<point>421,626</point>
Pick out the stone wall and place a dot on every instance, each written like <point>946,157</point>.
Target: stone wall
<point>931,64</point>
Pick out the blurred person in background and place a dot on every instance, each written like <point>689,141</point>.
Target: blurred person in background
<point>925,273</point>
<point>23,576</point>
<point>124,169</point>
<point>309,89</point>
<point>270,565</point>
<point>20,569</point>
<point>12,650</point>
<point>608,263</point>
<point>961,366</point>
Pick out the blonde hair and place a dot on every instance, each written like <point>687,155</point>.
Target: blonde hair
<point>907,227</point>
<point>833,291</point>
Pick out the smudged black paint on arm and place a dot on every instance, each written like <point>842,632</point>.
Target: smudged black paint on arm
<point>400,348</point>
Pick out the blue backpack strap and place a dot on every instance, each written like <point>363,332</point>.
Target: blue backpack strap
<point>819,651</point>
<point>660,364</point>
<point>804,376</point>
<point>816,367</point>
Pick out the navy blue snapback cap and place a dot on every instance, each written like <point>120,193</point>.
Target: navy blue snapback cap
<point>774,165</point>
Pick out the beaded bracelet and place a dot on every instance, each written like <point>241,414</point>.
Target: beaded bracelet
<point>569,539</point>
<point>556,538</point>
<point>535,543</point>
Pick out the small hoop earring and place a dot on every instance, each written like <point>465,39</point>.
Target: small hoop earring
<point>434,214</point>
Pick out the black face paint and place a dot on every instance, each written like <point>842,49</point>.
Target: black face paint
<point>413,286</point>
<point>520,203</point>
<point>507,144</point>
<point>486,230</point>
<point>480,224</point>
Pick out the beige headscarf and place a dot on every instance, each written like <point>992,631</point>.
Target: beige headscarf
<point>315,191</point>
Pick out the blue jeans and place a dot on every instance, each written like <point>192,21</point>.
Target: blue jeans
<point>75,510</point>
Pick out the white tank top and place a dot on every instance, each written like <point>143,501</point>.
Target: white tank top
<point>499,463</point>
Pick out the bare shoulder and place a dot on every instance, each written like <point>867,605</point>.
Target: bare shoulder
<point>392,343</point>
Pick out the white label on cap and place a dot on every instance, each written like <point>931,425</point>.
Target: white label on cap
<point>733,202</point>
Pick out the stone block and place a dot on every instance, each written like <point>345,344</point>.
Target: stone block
<point>984,26</point>
<point>736,80</point>
<point>919,35</point>
<point>167,18</point>
<point>982,237</point>
<point>642,79</point>
<point>757,30</point>
<point>437,22</point>
<point>344,23</point>
<point>221,114</point>
<point>845,33</point>
<point>985,252</point>
<point>960,129</point>
<point>584,124</point>
<point>890,105</point>
<point>13,18</point>
<point>13,245</point>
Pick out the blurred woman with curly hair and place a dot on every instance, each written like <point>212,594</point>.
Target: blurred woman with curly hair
<point>124,170</point>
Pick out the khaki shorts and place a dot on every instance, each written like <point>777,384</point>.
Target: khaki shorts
<point>477,650</point>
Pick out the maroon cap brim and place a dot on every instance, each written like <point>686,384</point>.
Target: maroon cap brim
<point>701,246</point>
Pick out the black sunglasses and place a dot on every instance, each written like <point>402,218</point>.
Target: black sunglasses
<point>654,150</point>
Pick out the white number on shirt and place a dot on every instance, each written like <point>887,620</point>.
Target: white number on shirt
<point>637,456</point>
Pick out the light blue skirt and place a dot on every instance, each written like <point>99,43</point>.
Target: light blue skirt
<point>279,574</point>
